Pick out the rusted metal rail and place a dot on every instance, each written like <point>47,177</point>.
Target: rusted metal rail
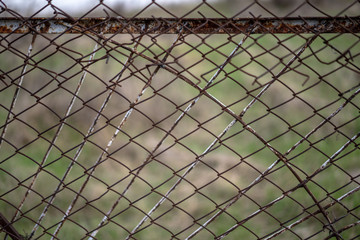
<point>173,25</point>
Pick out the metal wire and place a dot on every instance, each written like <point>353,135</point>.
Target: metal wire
<point>203,120</point>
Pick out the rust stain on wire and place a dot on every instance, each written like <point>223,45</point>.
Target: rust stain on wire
<point>173,25</point>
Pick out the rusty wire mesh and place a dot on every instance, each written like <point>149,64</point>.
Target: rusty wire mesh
<point>208,119</point>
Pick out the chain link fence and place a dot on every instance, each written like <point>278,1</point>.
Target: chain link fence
<point>192,120</point>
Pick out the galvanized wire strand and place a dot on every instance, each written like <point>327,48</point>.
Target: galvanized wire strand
<point>282,71</point>
<point>266,172</point>
<point>89,132</point>
<point>55,137</point>
<point>132,51</point>
<point>335,233</point>
<point>138,98</point>
<point>272,165</point>
<point>188,170</point>
<point>348,194</point>
<point>323,166</point>
<point>344,229</point>
<point>326,164</point>
<point>10,114</point>
<point>187,109</point>
<point>80,147</point>
<point>13,103</point>
<point>320,169</point>
<point>267,145</point>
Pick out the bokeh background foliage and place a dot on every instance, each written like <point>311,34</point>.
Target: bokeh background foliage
<point>316,84</point>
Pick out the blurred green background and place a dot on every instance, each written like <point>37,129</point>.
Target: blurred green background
<point>311,89</point>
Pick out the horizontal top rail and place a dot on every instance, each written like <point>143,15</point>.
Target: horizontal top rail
<point>186,25</point>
